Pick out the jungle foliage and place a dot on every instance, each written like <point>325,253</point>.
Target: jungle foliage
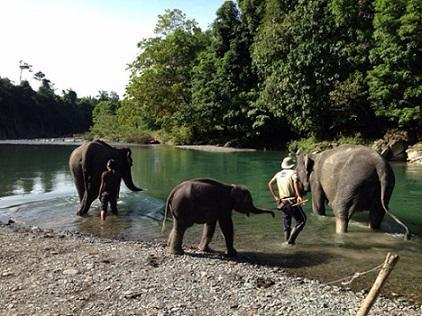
<point>263,73</point>
<point>268,71</point>
<point>25,113</point>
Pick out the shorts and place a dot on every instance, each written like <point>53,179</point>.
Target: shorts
<point>108,199</point>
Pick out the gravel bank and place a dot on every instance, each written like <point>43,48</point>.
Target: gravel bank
<point>43,272</point>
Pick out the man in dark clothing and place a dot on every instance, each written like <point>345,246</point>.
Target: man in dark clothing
<point>109,189</point>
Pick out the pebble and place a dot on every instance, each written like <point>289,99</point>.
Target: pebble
<point>70,272</point>
<point>93,276</point>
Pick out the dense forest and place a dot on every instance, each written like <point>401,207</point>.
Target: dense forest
<point>266,72</point>
<point>25,113</point>
<point>269,71</point>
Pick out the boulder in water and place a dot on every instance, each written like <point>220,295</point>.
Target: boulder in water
<point>393,146</point>
<point>414,153</point>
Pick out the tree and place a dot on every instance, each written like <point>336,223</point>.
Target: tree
<point>350,108</point>
<point>46,86</point>
<point>395,82</point>
<point>224,81</point>
<point>104,120</point>
<point>23,66</point>
<point>159,91</point>
<point>297,55</point>
<point>25,113</point>
<point>173,20</point>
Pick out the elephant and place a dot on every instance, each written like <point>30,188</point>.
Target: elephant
<point>350,178</point>
<point>206,201</point>
<point>88,161</point>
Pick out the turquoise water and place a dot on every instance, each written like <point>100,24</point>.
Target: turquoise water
<point>36,188</point>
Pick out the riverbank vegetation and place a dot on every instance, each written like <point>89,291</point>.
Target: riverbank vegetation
<point>25,113</point>
<point>268,72</point>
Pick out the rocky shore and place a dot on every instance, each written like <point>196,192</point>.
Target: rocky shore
<point>45,272</point>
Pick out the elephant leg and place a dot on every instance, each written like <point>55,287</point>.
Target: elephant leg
<point>176,238</point>
<point>226,225</point>
<point>376,215</point>
<point>79,183</point>
<point>86,203</point>
<point>82,207</point>
<point>208,233</point>
<point>343,210</point>
<point>170,238</point>
<point>342,223</point>
<point>318,199</point>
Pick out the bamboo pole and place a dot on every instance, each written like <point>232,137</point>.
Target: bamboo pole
<point>388,266</point>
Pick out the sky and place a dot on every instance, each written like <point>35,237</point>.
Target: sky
<point>83,45</point>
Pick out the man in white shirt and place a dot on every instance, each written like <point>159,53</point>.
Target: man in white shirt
<point>289,199</point>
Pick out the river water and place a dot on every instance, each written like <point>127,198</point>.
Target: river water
<point>36,188</point>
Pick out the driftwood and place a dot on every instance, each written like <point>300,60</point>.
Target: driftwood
<point>388,266</point>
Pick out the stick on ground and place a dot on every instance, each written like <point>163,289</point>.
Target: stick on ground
<point>388,266</point>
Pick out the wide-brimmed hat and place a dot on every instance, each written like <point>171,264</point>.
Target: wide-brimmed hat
<point>288,163</point>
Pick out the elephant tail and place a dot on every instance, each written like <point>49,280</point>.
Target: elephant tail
<point>407,235</point>
<point>387,177</point>
<point>167,208</point>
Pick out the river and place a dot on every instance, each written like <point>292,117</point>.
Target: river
<point>36,188</point>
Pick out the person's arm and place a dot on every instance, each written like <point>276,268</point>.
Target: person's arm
<point>271,188</point>
<point>101,186</point>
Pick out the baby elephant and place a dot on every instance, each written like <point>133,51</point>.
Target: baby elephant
<point>206,201</point>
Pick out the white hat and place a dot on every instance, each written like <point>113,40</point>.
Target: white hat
<point>288,163</point>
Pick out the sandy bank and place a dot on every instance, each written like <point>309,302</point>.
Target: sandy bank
<point>213,148</point>
<point>44,141</point>
<point>78,141</point>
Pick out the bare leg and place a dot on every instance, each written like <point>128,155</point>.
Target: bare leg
<point>104,205</point>
<point>113,206</point>
<point>209,229</point>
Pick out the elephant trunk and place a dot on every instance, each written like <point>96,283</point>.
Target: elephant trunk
<point>256,210</point>
<point>129,183</point>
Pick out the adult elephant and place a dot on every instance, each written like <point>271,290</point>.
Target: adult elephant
<point>350,178</point>
<point>206,201</point>
<point>88,161</point>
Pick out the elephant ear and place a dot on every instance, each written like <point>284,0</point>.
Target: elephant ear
<point>304,168</point>
<point>309,164</point>
<point>240,198</point>
<point>129,157</point>
<point>126,155</point>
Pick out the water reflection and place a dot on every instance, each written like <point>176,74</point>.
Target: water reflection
<point>33,169</point>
